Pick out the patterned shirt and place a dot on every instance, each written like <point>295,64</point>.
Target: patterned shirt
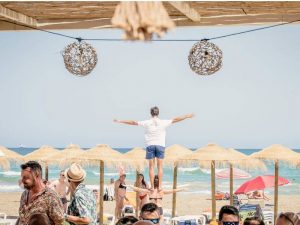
<point>45,202</point>
<point>83,204</point>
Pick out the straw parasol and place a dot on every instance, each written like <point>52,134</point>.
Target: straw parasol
<point>4,163</point>
<point>104,154</point>
<point>213,156</point>
<point>11,155</point>
<point>172,154</point>
<point>277,153</point>
<point>138,156</point>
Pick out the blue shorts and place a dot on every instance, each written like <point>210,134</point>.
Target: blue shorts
<point>155,151</point>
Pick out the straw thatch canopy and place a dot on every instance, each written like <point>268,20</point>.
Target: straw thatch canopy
<point>64,157</point>
<point>208,153</point>
<point>246,162</point>
<point>138,157</point>
<point>43,152</point>
<point>4,163</point>
<point>101,152</point>
<point>11,155</point>
<point>175,152</point>
<point>97,14</point>
<point>278,152</point>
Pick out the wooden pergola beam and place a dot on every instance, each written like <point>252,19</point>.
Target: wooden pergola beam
<point>17,17</point>
<point>187,10</point>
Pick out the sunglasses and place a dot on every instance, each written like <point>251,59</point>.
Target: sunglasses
<point>230,223</point>
<point>155,220</point>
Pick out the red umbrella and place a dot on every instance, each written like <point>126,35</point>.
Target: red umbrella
<point>260,183</point>
<point>237,174</point>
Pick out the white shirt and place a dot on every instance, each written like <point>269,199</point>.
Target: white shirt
<point>155,131</point>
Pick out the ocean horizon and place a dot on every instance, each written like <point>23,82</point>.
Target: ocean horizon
<point>193,178</point>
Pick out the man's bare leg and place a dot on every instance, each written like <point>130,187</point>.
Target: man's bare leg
<point>160,172</point>
<point>151,171</point>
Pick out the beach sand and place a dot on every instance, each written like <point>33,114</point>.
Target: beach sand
<point>187,204</point>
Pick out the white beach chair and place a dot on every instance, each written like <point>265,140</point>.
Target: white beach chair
<point>4,220</point>
<point>189,220</point>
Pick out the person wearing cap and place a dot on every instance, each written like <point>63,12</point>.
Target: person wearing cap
<point>82,207</point>
<point>155,136</point>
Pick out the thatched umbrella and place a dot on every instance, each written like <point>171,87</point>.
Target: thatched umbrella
<point>4,163</point>
<point>172,154</point>
<point>41,153</point>
<point>277,153</point>
<point>212,156</point>
<point>103,154</point>
<point>11,155</point>
<point>246,163</point>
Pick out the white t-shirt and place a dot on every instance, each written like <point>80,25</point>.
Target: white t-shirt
<point>155,131</point>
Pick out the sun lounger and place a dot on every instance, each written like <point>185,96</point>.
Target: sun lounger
<point>189,220</point>
<point>248,210</point>
<point>268,217</point>
<point>4,220</point>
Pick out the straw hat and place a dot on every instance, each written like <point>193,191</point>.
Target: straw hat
<point>75,173</point>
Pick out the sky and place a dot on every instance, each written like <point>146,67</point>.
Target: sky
<point>251,102</point>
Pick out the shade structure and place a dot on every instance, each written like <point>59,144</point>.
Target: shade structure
<point>175,152</point>
<point>11,155</point>
<point>237,174</point>
<point>4,163</point>
<point>277,153</point>
<point>260,183</point>
<point>41,153</point>
<point>138,156</point>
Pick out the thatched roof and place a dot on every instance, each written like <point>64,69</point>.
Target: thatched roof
<point>11,155</point>
<point>212,152</point>
<point>175,152</point>
<point>97,14</point>
<point>138,157</point>
<point>41,153</point>
<point>278,152</point>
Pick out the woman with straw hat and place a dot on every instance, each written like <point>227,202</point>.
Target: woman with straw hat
<point>82,208</point>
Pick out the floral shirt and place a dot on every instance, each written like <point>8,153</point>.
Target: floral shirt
<point>45,202</point>
<point>83,204</point>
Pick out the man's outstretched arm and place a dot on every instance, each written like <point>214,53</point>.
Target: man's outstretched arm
<point>129,122</point>
<point>180,118</point>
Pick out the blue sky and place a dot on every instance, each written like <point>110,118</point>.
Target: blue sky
<point>252,102</point>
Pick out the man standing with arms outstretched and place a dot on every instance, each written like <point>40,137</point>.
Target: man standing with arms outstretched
<point>155,136</point>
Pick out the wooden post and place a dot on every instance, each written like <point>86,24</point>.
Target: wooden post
<point>213,192</point>
<point>174,187</point>
<point>101,194</point>
<point>231,184</point>
<point>276,190</point>
<point>137,196</point>
<point>46,171</point>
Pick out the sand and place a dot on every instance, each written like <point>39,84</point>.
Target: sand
<point>187,204</point>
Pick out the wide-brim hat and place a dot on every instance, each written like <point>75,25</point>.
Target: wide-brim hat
<point>75,173</point>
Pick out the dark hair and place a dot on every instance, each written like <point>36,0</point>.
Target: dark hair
<point>149,207</point>
<point>34,166</point>
<point>143,180</point>
<point>291,217</point>
<point>248,220</point>
<point>127,220</point>
<point>228,209</point>
<point>39,219</point>
<point>154,111</point>
<point>156,181</point>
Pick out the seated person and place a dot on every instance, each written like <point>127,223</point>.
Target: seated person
<point>127,220</point>
<point>288,218</point>
<point>253,221</point>
<point>259,195</point>
<point>229,215</point>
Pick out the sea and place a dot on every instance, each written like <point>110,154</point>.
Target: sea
<point>193,179</point>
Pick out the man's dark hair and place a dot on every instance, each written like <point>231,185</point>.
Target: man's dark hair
<point>248,220</point>
<point>228,209</point>
<point>154,111</point>
<point>34,166</point>
<point>127,220</point>
<point>149,207</point>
